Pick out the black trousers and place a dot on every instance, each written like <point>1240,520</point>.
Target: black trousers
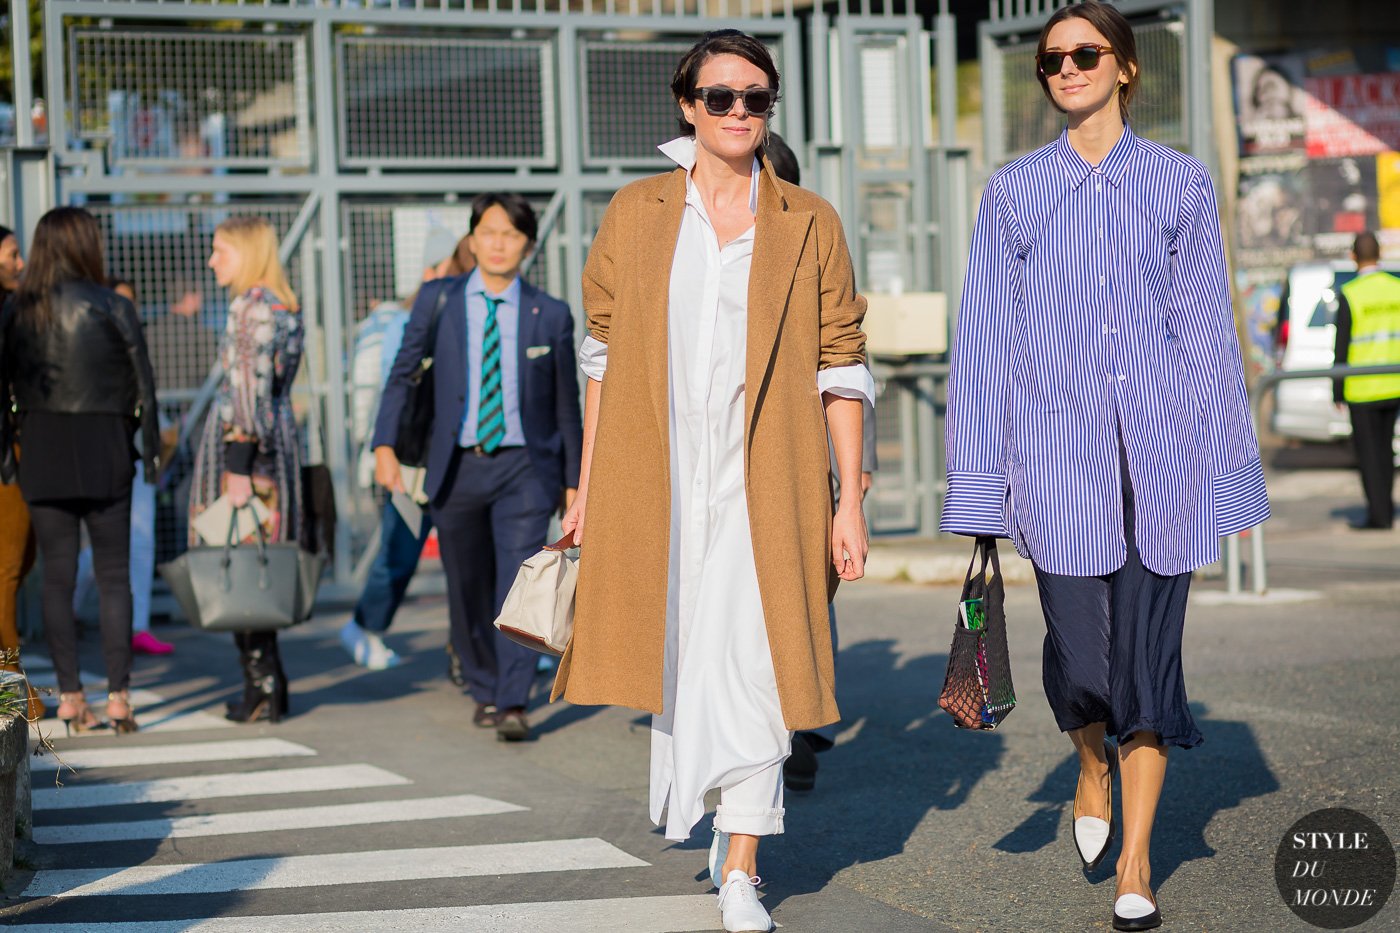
<point>108,523</point>
<point>491,514</point>
<point>1372,428</point>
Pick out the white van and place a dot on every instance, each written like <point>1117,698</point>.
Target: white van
<point>1304,338</point>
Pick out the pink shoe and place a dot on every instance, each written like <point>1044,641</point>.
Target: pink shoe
<point>146,643</point>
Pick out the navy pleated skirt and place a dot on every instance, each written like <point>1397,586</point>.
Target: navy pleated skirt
<point>1113,647</point>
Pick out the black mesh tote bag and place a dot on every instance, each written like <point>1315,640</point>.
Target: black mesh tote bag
<point>977,690</point>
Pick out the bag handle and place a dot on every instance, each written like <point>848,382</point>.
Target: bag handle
<point>563,544</point>
<point>229,546</point>
<point>986,548</point>
<point>433,325</point>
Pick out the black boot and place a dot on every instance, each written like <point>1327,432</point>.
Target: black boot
<point>281,701</point>
<point>262,679</point>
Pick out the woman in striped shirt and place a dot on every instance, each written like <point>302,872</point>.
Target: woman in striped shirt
<point>1097,416</point>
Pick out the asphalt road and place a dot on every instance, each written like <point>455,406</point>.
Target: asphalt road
<point>379,796</point>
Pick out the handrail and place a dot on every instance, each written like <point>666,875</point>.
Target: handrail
<point>1265,385</point>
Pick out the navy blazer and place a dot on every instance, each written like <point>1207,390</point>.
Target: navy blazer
<point>548,383</point>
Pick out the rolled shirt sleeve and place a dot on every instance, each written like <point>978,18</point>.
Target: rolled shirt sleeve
<point>593,358</point>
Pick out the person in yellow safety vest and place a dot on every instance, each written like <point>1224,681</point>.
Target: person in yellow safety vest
<point>1368,334</point>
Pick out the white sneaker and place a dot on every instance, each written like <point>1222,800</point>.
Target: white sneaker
<point>739,908</point>
<point>366,649</point>
<point>719,851</point>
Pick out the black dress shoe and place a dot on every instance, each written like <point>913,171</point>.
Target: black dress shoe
<point>486,716</point>
<point>512,726</point>
<point>800,768</point>
<point>1148,921</point>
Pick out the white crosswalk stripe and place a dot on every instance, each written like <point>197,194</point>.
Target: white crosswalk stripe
<point>267,821</point>
<point>188,814</point>
<point>235,750</point>
<point>305,871</point>
<point>675,914</point>
<point>205,787</point>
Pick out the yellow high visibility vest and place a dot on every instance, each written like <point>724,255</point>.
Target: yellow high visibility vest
<point>1375,335</point>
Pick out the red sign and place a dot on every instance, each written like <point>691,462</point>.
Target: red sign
<point>1352,115</point>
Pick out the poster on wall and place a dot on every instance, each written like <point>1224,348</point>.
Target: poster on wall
<point>1352,115</point>
<point>1270,101</point>
<point>1271,213</point>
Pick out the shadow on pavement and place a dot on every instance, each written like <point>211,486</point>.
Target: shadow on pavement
<point>898,758</point>
<point>1227,770</point>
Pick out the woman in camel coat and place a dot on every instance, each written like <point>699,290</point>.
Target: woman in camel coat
<point>724,337</point>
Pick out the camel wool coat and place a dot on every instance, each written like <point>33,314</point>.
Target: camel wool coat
<point>804,316</point>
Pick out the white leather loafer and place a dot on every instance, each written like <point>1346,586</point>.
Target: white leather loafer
<point>1133,912</point>
<point>739,908</point>
<point>1092,835</point>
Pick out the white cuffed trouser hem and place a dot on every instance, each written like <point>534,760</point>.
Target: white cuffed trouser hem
<point>749,821</point>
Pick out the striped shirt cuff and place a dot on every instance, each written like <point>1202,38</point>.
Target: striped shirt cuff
<point>1241,500</point>
<point>975,505</point>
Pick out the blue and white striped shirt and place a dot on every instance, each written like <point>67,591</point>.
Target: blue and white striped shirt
<point>1096,306</point>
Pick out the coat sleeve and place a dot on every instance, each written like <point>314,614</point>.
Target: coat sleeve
<point>129,325</point>
<point>410,356</point>
<point>600,278</point>
<point>976,426</point>
<point>568,415</point>
<point>1199,314</point>
<point>842,309</point>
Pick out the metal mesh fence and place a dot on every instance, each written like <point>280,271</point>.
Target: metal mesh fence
<point>1158,110</point>
<point>181,98</point>
<point>457,101</point>
<point>626,99</point>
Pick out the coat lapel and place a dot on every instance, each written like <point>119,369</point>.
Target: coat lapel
<point>529,316</point>
<point>779,236</point>
<point>660,231</point>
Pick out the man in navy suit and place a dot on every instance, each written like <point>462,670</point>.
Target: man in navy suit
<point>506,440</point>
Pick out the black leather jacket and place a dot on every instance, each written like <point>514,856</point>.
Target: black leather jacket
<point>91,360</point>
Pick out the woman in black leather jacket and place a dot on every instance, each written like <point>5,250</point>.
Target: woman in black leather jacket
<point>74,363</point>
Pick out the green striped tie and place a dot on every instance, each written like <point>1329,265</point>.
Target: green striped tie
<point>491,414</point>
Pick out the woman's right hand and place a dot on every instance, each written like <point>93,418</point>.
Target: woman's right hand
<point>573,519</point>
<point>386,469</point>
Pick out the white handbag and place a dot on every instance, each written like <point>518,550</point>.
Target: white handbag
<point>539,609</point>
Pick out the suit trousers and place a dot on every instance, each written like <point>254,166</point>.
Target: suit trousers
<point>1372,430</point>
<point>491,514</point>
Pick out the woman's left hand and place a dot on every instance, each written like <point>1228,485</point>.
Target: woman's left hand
<point>850,542</point>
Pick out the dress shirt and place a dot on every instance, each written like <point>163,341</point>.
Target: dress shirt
<point>508,320</point>
<point>1096,310</point>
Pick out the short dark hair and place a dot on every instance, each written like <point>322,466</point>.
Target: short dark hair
<point>1115,27</point>
<point>783,159</point>
<point>719,42</point>
<point>1366,247</point>
<point>521,214</point>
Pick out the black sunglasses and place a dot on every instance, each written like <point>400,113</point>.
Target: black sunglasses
<point>1085,58</point>
<point>719,100</point>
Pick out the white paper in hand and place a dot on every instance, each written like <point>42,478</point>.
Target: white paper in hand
<point>409,511</point>
<point>212,524</point>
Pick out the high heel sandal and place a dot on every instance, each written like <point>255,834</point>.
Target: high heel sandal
<point>76,715</point>
<point>119,712</point>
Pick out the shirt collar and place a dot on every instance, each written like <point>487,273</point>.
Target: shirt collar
<point>1113,167</point>
<point>511,296</point>
<point>681,151</point>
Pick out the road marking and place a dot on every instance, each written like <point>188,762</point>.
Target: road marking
<point>341,868</point>
<point>204,787</point>
<point>237,749</point>
<point>268,821</point>
<point>676,914</point>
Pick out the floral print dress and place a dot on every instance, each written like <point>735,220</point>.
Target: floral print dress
<point>260,352</point>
